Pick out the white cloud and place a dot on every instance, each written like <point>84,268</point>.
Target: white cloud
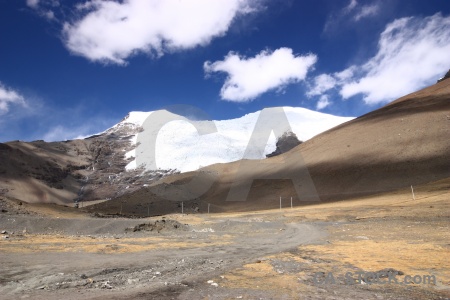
<point>67,124</point>
<point>360,11</point>
<point>112,31</point>
<point>322,83</point>
<point>353,12</point>
<point>72,123</point>
<point>366,11</point>
<point>63,133</point>
<point>351,5</point>
<point>412,53</point>
<point>49,15</point>
<point>8,97</point>
<point>250,77</point>
<point>36,119</point>
<point>346,74</point>
<point>58,133</point>
<point>33,3</point>
<point>44,8</point>
<point>323,102</point>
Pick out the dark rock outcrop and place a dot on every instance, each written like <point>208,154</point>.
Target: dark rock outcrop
<point>285,143</point>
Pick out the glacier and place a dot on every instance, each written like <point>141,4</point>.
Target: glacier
<point>180,147</point>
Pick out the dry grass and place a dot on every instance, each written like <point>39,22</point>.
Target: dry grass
<point>39,243</point>
<point>368,234</point>
<point>391,231</point>
<point>431,200</point>
<point>261,276</point>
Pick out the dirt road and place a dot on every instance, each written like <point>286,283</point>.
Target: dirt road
<point>49,252</point>
<point>63,258</point>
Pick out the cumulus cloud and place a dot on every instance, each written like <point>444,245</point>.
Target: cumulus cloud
<point>322,83</point>
<point>323,102</point>
<point>250,77</point>
<point>9,96</point>
<point>412,53</point>
<point>111,31</point>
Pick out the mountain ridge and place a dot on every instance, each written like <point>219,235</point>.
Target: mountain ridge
<point>93,168</point>
<point>403,144</point>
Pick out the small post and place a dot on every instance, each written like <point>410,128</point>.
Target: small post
<point>182,207</point>
<point>280,203</point>
<point>208,207</point>
<point>291,203</point>
<point>412,191</point>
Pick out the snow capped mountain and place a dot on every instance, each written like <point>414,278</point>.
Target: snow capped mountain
<point>179,145</point>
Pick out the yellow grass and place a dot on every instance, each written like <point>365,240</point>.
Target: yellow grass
<point>38,243</point>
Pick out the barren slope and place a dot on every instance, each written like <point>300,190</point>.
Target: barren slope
<point>64,172</point>
<point>103,166</point>
<point>404,143</point>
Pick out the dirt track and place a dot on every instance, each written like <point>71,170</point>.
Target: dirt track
<point>99,257</point>
<point>251,255</point>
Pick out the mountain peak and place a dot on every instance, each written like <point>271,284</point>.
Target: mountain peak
<point>179,146</point>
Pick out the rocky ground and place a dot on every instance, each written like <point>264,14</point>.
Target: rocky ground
<point>53,252</point>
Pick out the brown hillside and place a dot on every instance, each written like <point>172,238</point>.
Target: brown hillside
<point>403,143</point>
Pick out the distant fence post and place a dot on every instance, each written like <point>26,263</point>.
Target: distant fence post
<point>412,191</point>
<point>280,203</point>
<point>208,207</point>
<point>182,207</point>
<point>291,203</point>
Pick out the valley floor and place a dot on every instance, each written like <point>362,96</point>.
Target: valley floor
<point>51,252</point>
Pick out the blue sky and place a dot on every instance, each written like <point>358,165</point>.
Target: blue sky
<point>73,68</point>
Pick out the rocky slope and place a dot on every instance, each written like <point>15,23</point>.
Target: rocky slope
<point>285,143</point>
<point>72,171</point>
<point>401,144</point>
<point>103,166</point>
